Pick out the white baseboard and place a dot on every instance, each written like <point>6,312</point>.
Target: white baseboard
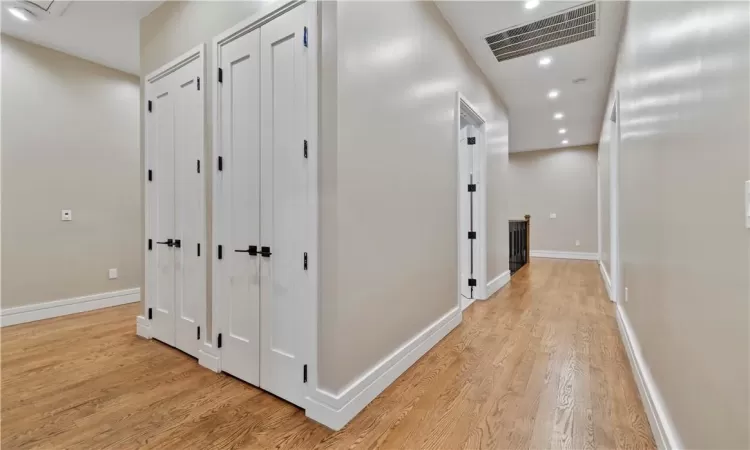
<point>607,283</point>
<point>499,281</point>
<point>208,359</point>
<point>564,255</point>
<point>57,308</point>
<point>143,327</point>
<point>665,433</point>
<point>336,410</point>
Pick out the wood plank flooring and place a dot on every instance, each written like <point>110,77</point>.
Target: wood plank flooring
<point>540,365</point>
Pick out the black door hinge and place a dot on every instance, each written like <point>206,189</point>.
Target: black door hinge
<point>150,313</point>
<point>150,175</point>
<point>305,149</point>
<point>471,141</point>
<point>221,75</point>
<point>150,244</point>
<point>199,83</point>
<point>472,234</point>
<point>149,106</point>
<point>199,332</point>
<point>199,248</point>
<point>304,37</point>
<point>218,341</point>
<point>472,282</point>
<point>472,188</point>
<point>305,261</point>
<point>220,163</point>
<point>198,166</point>
<point>220,252</point>
<point>304,373</point>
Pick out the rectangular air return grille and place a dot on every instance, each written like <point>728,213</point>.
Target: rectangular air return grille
<point>569,26</point>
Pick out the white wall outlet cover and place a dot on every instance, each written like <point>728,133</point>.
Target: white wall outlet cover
<point>66,214</point>
<point>552,216</point>
<point>112,274</point>
<point>578,243</point>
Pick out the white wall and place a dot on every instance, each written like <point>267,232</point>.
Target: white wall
<point>684,79</point>
<point>560,181</point>
<point>69,141</point>
<point>389,252</point>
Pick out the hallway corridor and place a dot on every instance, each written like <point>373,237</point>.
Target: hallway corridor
<point>540,365</point>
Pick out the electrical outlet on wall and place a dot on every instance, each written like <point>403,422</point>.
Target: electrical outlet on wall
<point>578,243</point>
<point>552,216</point>
<point>112,274</point>
<point>66,215</point>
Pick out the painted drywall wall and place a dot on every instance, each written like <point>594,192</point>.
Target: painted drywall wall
<point>389,251</point>
<point>70,141</point>
<point>170,30</point>
<point>684,79</point>
<point>560,181</point>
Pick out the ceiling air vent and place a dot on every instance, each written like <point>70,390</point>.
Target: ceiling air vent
<point>569,26</point>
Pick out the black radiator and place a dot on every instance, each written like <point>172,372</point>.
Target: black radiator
<point>518,244</point>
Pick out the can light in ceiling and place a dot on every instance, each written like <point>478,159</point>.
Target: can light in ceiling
<point>19,13</point>
<point>545,61</point>
<point>558,116</point>
<point>554,93</point>
<point>565,141</point>
<point>562,131</point>
<point>531,4</point>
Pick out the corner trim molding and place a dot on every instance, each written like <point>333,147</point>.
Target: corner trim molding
<point>208,359</point>
<point>564,255</point>
<point>57,308</point>
<point>497,283</point>
<point>607,282</point>
<point>336,410</point>
<point>665,433</point>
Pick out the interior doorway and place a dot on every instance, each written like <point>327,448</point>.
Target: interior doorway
<point>471,129</point>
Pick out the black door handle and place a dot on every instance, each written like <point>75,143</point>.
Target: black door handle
<point>177,243</point>
<point>252,250</point>
<point>168,242</point>
<point>265,251</point>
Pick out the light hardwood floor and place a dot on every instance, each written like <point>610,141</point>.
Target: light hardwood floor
<point>540,365</point>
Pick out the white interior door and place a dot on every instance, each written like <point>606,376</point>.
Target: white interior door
<point>190,269</point>
<point>175,270</point>
<point>464,162</point>
<point>162,210</point>
<point>284,198</point>
<point>238,283</point>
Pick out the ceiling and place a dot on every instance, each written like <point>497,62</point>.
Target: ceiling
<point>523,85</point>
<point>104,32</point>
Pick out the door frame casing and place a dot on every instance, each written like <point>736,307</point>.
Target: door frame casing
<point>268,13</point>
<point>480,124</point>
<point>143,325</point>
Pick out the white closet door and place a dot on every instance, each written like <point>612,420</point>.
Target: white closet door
<point>283,204</point>
<point>162,214</point>
<point>464,154</point>
<point>190,288</point>
<point>239,182</point>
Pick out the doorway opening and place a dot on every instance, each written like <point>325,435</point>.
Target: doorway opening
<point>471,129</point>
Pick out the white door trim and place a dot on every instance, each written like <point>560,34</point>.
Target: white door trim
<point>463,105</point>
<point>266,14</point>
<point>197,52</point>
<point>615,260</point>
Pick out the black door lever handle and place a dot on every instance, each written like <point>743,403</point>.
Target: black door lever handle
<point>168,242</point>
<point>252,250</point>
<point>265,251</point>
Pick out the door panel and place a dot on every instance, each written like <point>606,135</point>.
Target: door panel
<point>239,182</point>
<point>283,204</point>
<point>162,127</point>
<point>190,268</point>
<point>464,155</point>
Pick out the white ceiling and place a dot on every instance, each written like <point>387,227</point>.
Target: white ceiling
<point>523,85</point>
<point>104,32</point>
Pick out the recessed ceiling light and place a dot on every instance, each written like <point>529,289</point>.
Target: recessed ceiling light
<point>562,131</point>
<point>19,13</point>
<point>531,4</point>
<point>559,116</point>
<point>545,61</point>
<point>553,93</point>
<point>565,141</point>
